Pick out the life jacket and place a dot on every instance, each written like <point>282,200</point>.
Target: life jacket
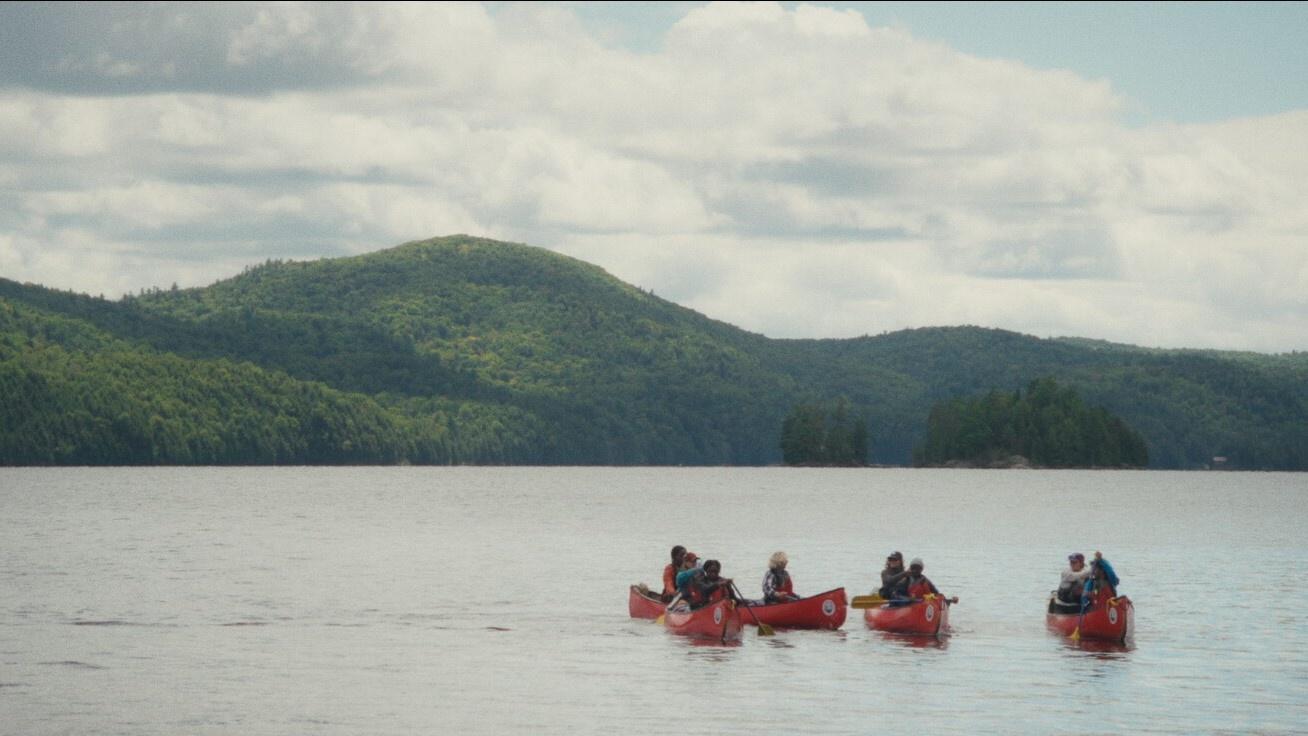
<point>698,591</point>
<point>669,580</point>
<point>683,579</point>
<point>688,584</point>
<point>1098,591</point>
<point>782,586</point>
<point>1106,575</point>
<point>920,589</point>
<point>898,589</point>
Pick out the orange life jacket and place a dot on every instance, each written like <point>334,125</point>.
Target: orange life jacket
<point>669,580</point>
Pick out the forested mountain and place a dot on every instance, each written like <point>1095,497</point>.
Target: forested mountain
<point>465,350</point>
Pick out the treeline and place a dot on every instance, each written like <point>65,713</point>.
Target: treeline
<point>615,375</point>
<point>824,434</point>
<point>466,350</point>
<point>128,408</point>
<point>1048,425</point>
<point>72,395</point>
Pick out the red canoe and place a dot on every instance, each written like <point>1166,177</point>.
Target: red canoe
<point>641,605</point>
<point>821,611</point>
<point>717,620</point>
<point>927,617</point>
<point>1107,619</point>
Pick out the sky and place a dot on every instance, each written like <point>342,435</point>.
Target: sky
<point>1129,172</point>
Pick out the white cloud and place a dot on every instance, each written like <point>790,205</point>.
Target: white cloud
<point>275,31</point>
<point>790,170</point>
<point>150,205</point>
<point>54,128</point>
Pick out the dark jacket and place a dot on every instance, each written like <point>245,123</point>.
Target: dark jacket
<point>894,584</point>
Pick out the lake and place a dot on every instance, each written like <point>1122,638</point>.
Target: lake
<point>494,600</point>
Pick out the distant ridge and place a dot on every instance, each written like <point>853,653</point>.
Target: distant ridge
<point>468,350</point>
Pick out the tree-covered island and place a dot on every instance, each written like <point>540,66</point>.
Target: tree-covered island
<point>1047,426</point>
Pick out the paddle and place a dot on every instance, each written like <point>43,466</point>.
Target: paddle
<point>671,603</point>
<point>876,601</point>
<point>763,629</point>
<point>1085,602</point>
<point>867,601</point>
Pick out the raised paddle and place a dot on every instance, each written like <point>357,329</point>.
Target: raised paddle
<point>763,629</point>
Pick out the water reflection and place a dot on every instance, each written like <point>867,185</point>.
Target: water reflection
<point>1102,649</point>
<point>915,641</point>
<point>710,650</point>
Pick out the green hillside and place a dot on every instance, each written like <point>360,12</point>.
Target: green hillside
<point>464,350</point>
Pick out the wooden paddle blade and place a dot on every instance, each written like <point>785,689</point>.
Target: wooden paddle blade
<point>765,629</point>
<point>866,601</point>
<point>659,620</point>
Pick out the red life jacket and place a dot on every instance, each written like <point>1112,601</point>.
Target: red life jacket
<point>695,592</point>
<point>782,585</point>
<point>921,589</point>
<point>787,586</point>
<point>669,580</point>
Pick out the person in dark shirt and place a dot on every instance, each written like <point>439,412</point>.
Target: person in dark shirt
<point>918,584</point>
<point>893,577</point>
<point>706,585</point>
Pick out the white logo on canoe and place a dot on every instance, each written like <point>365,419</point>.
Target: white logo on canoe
<point>829,607</point>
<point>717,615</point>
<point>931,613</point>
<point>1112,615</point>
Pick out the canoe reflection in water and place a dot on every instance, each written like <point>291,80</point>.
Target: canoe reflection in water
<point>915,641</point>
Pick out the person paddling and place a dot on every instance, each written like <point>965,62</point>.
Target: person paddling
<point>706,585</point>
<point>777,585</point>
<point>893,577</point>
<point>1083,583</point>
<point>1105,578</point>
<point>689,567</point>
<point>670,573</point>
<point>919,586</point>
<point>1071,587</point>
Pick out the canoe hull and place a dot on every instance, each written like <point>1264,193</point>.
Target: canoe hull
<point>822,611</point>
<point>717,620</point>
<point>927,617</point>
<point>640,605</point>
<point>1109,619</point>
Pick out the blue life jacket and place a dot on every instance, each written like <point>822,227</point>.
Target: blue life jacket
<point>684,577</point>
<point>1109,575</point>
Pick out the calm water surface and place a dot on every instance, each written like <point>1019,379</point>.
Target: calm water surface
<point>474,600</point>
